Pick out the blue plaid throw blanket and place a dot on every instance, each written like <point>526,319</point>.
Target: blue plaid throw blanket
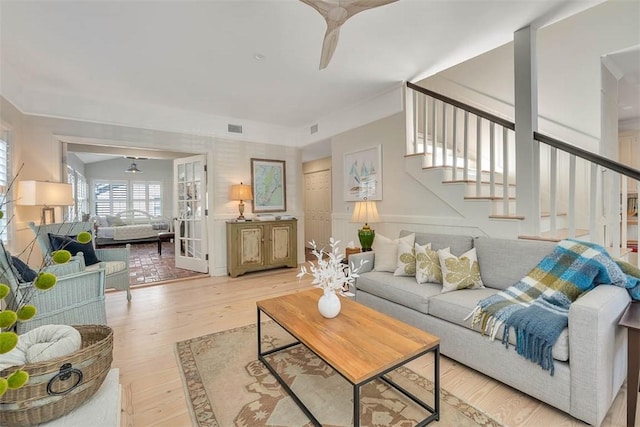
<point>537,307</point>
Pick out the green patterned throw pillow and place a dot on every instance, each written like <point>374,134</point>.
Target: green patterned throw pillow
<point>406,263</point>
<point>428,264</point>
<point>460,272</point>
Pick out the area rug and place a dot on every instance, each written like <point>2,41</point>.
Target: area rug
<point>225,385</point>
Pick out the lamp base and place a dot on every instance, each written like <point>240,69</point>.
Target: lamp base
<point>366,236</point>
<point>241,210</point>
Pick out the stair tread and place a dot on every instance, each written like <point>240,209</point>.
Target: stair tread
<point>459,168</point>
<point>486,198</point>
<point>548,214</point>
<point>473,181</point>
<point>518,217</point>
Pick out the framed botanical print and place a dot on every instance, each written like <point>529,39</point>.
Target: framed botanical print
<point>362,176</point>
<point>268,184</point>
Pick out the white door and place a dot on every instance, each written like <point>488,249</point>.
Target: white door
<point>190,213</point>
<point>317,208</point>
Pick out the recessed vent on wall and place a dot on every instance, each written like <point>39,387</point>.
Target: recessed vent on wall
<point>234,128</point>
<point>314,128</point>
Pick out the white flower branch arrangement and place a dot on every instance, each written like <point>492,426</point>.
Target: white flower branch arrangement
<point>330,273</point>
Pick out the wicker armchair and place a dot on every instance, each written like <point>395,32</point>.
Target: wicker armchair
<point>76,299</point>
<point>115,261</point>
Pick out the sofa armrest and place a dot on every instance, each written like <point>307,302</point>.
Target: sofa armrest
<point>597,351</point>
<point>368,256</point>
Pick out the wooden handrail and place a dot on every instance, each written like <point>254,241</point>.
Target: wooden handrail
<point>587,155</point>
<point>473,110</point>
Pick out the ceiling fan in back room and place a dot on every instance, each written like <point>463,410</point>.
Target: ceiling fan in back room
<point>336,13</point>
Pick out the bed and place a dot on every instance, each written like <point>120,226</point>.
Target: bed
<point>130,226</point>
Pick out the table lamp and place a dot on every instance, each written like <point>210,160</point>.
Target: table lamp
<point>241,192</point>
<point>45,194</point>
<point>365,211</point>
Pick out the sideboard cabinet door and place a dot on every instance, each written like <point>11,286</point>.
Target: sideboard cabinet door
<point>260,245</point>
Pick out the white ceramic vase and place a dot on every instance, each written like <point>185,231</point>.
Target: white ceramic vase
<point>329,304</point>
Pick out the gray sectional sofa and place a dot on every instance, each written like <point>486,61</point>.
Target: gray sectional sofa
<point>590,357</point>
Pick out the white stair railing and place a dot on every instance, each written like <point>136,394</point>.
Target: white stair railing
<point>582,195</point>
<point>476,146</point>
<point>596,195</point>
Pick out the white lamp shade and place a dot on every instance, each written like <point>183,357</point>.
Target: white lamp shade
<point>365,211</point>
<point>41,193</point>
<point>241,192</point>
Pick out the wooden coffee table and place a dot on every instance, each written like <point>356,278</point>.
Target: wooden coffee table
<point>360,344</point>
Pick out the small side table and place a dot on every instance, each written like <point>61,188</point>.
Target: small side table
<point>164,236</point>
<point>631,320</point>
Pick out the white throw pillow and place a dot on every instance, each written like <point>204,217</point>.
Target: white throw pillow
<point>406,264</point>
<point>386,251</point>
<point>460,272</point>
<point>428,264</point>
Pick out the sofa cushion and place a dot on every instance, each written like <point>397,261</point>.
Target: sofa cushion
<point>459,272</point>
<point>398,289</point>
<point>504,262</point>
<point>458,244</point>
<point>110,267</point>
<point>455,307</point>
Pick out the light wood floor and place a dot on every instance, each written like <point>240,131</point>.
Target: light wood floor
<point>146,329</point>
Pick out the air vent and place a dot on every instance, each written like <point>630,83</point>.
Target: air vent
<point>314,128</point>
<point>234,128</point>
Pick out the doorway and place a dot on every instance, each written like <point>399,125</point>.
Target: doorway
<point>150,191</point>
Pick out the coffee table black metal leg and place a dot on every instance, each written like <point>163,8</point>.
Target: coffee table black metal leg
<point>356,405</point>
<point>436,383</point>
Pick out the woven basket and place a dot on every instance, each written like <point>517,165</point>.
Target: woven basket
<point>58,386</point>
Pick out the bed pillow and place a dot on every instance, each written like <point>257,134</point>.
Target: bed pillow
<point>72,245</point>
<point>460,272</point>
<point>428,264</point>
<point>115,221</point>
<point>387,251</point>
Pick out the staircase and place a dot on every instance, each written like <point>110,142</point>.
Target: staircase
<point>467,158</point>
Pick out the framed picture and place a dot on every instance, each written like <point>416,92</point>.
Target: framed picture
<point>268,184</point>
<point>363,174</point>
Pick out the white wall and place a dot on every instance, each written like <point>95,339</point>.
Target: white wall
<point>569,53</point>
<point>74,161</point>
<point>405,202</point>
<point>37,144</point>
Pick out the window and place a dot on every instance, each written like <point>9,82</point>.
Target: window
<point>5,180</point>
<point>80,190</point>
<point>146,196</point>
<point>112,197</point>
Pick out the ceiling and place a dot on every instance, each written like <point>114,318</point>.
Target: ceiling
<point>73,58</point>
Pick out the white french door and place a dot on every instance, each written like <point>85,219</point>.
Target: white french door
<point>190,213</point>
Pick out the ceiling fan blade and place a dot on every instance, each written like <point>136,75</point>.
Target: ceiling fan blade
<point>336,13</point>
<point>329,46</point>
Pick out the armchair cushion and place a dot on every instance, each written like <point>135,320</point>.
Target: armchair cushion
<point>23,271</point>
<point>72,245</point>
